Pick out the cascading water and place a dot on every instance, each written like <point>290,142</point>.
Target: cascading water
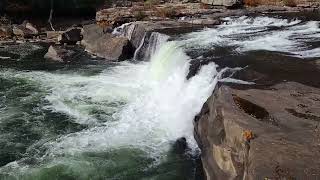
<point>125,30</point>
<point>125,108</point>
<point>120,121</point>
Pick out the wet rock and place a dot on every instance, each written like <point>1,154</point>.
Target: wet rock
<point>71,36</point>
<point>59,54</point>
<point>282,123</point>
<point>106,45</point>
<point>180,146</point>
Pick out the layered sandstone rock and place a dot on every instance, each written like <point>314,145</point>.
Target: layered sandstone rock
<point>255,134</point>
<point>106,45</point>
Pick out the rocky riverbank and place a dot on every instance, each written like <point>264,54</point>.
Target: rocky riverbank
<point>144,18</point>
<point>261,133</point>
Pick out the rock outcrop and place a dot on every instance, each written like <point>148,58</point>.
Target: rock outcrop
<point>228,3</point>
<point>106,45</point>
<point>255,134</point>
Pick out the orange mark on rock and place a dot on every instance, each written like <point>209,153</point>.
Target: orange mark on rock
<point>248,135</point>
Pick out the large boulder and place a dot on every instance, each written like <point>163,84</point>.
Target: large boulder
<point>254,134</point>
<point>71,36</point>
<point>59,54</point>
<point>22,31</point>
<point>228,3</point>
<point>106,45</point>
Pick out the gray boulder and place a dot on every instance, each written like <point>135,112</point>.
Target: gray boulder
<point>59,54</point>
<point>106,45</point>
<point>71,36</point>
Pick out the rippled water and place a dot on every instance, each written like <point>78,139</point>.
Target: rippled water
<point>120,121</point>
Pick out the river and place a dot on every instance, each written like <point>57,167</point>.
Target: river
<point>121,120</point>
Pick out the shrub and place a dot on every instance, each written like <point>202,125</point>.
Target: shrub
<point>168,12</point>
<point>290,3</point>
<point>140,15</point>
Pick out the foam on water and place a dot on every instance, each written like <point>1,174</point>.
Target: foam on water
<point>158,107</point>
<point>161,112</point>
<point>77,95</point>
<point>148,105</point>
<point>259,33</point>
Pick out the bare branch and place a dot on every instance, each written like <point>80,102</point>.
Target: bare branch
<point>50,16</point>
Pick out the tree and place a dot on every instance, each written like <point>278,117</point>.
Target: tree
<point>50,16</point>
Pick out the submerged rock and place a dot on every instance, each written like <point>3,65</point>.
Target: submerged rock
<point>180,146</point>
<point>57,53</point>
<point>253,134</point>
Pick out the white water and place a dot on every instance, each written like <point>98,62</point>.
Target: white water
<point>156,104</point>
<point>260,33</point>
<point>125,30</point>
<point>150,104</point>
<point>161,110</point>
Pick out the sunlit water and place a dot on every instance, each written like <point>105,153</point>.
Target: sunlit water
<point>120,121</point>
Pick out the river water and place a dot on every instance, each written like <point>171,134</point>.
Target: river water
<point>121,120</point>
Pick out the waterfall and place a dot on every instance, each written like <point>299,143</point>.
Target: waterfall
<point>138,50</point>
<point>119,120</point>
<point>148,121</point>
<point>156,40</point>
<point>125,30</point>
<point>149,45</point>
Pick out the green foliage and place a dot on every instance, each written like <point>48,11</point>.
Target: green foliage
<point>140,15</point>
